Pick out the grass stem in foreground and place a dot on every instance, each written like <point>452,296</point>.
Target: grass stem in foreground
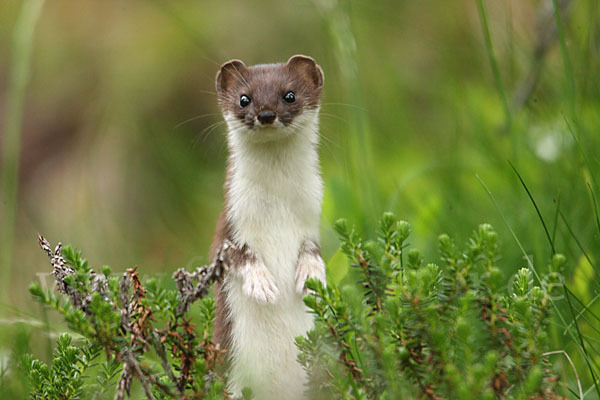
<point>13,121</point>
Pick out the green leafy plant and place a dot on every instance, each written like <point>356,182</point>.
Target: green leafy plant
<point>413,329</point>
<point>64,379</point>
<point>144,331</point>
<point>394,327</point>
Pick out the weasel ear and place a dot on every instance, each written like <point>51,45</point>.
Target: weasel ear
<point>231,72</point>
<point>307,68</point>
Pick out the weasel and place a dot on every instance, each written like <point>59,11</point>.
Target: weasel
<point>273,197</point>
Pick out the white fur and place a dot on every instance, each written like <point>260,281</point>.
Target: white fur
<point>275,198</point>
<point>309,266</point>
<point>258,282</point>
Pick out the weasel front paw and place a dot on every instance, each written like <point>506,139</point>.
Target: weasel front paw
<point>258,283</point>
<point>309,266</point>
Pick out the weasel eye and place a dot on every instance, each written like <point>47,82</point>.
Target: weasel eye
<point>244,101</point>
<point>289,97</point>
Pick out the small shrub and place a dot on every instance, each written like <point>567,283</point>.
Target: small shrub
<point>407,329</point>
<point>145,332</point>
<point>422,330</point>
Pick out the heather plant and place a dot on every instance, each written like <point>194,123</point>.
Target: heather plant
<point>144,332</point>
<point>394,327</point>
<point>412,329</point>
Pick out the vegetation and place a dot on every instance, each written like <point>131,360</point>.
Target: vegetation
<point>125,321</point>
<point>406,328</point>
<point>413,329</point>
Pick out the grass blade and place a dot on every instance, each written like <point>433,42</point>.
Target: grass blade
<point>536,207</point>
<point>566,290</point>
<point>583,153</point>
<point>514,235</point>
<point>493,61</point>
<point>585,308</point>
<point>572,367</point>
<point>555,219</point>
<point>577,241</point>
<point>582,344</point>
<point>565,57</point>
<point>595,207</point>
<point>13,121</point>
<point>532,268</point>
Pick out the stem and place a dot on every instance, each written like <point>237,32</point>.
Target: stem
<point>137,370</point>
<point>565,58</point>
<point>11,143</point>
<point>494,62</point>
<point>159,348</point>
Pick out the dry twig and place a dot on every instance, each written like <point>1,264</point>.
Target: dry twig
<point>189,290</point>
<point>61,271</point>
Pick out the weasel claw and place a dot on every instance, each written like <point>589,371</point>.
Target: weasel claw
<point>309,267</point>
<point>259,285</point>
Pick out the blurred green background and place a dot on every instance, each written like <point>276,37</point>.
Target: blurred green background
<point>122,153</point>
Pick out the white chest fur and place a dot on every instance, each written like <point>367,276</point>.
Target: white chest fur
<point>274,205</point>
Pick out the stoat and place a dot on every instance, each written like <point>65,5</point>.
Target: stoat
<point>273,197</point>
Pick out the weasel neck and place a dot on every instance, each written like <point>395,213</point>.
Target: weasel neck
<point>275,183</point>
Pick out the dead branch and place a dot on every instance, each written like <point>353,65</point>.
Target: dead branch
<point>195,285</point>
<point>61,271</point>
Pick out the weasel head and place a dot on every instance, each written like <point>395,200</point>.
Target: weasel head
<point>269,102</point>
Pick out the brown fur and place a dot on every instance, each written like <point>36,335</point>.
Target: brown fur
<point>221,332</point>
<point>310,248</point>
<point>266,85</point>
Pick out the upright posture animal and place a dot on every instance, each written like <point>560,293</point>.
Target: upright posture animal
<point>273,196</point>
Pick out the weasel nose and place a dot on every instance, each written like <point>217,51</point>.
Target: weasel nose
<point>266,117</point>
